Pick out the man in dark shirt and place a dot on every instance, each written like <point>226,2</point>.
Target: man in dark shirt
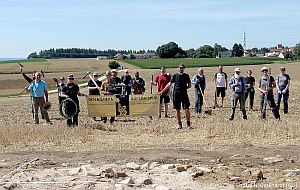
<point>250,83</point>
<point>181,82</point>
<point>93,89</point>
<point>126,80</point>
<point>71,90</point>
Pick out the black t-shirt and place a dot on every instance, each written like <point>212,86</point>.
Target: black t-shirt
<point>181,82</point>
<point>115,80</point>
<point>251,81</point>
<point>71,90</point>
<point>126,79</point>
<point>94,91</point>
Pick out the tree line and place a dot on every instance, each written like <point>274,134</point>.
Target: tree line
<point>82,53</point>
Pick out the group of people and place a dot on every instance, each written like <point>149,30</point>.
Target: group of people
<point>241,87</point>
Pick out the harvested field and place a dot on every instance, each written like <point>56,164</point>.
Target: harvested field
<point>226,154</point>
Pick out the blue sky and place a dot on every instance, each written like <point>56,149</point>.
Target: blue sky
<point>32,25</point>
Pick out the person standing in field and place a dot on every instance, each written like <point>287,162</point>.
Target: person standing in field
<point>105,90</point>
<point>238,85</point>
<point>220,80</point>
<point>126,80</point>
<point>39,92</point>
<point>93,89</point>
<point>283,82</point>
<point>71,90</point>
<point>182,83</point>
<point>266,84</point>
<point>250,83</point>
<point>161,81</point>
<point>60,86</point>
<point>200,84</point>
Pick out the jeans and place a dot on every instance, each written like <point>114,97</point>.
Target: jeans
<point>250,92</point>
<point>285,98</point>
<point>270,100</point>
<point>198,100</point>
<point>235,97</point>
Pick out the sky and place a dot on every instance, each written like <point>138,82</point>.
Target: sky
<point>33,25</point>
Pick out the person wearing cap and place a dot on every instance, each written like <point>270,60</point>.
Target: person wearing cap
<point>283,82</point>
<point>266,84</point>
<point>126,80</point>
<point>72,91</point>
<point>138,84</point>
<point>94,89</point>
<point>238,85</point>
<point>114,77</point>
<point>199,82</point>
<point>182,83</point>
<point>161,80</point>
<point>105,91</point>
<point>60,86</point>
<point>39,93</point>
<point>250,83</point>
<point>220,80</point>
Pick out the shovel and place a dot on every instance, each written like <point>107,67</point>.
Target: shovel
<point>207,109</point>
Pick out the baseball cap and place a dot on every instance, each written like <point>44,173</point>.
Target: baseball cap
<point>62,78</point>
<point>70,76</point>
<point>282,68</point>
<point>95,74</point>
<point>237,70</point>
<point>181,65</point>
<point>113,71</point>
<point>126,71</point>
<point>264,68</point>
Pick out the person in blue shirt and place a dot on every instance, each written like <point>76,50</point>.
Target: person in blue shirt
<point>237,84</point>
<point>199,82</point>
<point>39,92</point>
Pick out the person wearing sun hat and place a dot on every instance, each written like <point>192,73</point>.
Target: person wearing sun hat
<point>283,82</point>
<point>238,85</point>
<point>266,84</point>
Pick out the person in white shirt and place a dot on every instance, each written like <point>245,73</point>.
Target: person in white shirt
<point>220,80</point>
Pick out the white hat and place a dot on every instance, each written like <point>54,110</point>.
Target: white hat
<point>237,70</point>
<point>264,68</point>
<point>113,70</point>
<point>126,71</point>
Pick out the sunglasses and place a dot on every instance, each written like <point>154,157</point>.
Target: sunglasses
<point>71,78</point>
<point>95,75</point>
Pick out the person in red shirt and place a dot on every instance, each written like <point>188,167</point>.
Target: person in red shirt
<point>161,82</point>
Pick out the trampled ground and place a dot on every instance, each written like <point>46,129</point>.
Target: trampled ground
<point>234,151</point>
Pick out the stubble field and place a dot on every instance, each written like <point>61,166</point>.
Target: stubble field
<point>230,153</point>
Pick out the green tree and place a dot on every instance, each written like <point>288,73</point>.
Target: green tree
<point>170,50</point>
<point>218,48</point>
<point>205,51</point>
<point>297,50</point>
<point>237,50</point>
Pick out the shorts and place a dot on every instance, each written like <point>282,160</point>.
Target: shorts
<point>164,98</point>
<point>181,99</point>
<point>222,91</point>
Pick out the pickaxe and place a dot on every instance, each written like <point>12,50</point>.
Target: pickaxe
<point>42,73</point>
<point>89,74</point>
